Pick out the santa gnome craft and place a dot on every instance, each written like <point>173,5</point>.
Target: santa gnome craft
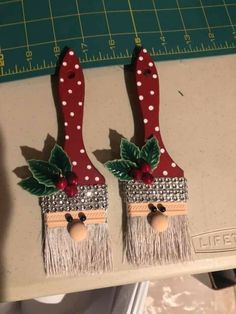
<point>154,186</point>
<point>73,194</point>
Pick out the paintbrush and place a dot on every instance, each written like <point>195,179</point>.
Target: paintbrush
<point>154,186</point>
<point>73,193</point>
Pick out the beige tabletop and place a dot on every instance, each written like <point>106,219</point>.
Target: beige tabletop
<point>198,113</point>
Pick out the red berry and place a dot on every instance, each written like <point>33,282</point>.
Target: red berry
<point>72,178</point>
<point>61,183</point>
<point>147,178</point>
<point>71,190</point>
<point>136,174</point>
<point>145,167</point>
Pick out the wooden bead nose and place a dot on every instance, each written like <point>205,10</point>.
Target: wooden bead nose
<point>159,222</point>
<point>78,231</point>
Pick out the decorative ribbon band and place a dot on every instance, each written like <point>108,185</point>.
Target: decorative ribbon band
<point>162,190</point>
<point>88,197</point>
<point>143,209</point>
<point>58,219</point>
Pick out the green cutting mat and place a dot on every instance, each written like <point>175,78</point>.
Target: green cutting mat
<point>104,32</point>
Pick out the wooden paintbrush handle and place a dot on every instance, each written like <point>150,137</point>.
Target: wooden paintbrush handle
<point>71,93</point>
<point>148,94</point>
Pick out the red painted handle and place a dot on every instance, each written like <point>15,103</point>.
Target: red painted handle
<point>71,92</point>
<point>148,93</point>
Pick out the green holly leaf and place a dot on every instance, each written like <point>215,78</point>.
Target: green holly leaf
<point>150,152</point>
<point>129,151</point>
<point>120,168</point>
<point>34,187</point>
<point>59,158</point>
<point>44,172</point>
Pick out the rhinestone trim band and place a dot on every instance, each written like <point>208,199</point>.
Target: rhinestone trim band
<point>162,190</point>
<point>88,197</point>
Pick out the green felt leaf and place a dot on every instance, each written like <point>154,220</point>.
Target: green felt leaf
<point>34,187</point>
<point>44,172</point>
<point>59,158</point>
<point>120,168</point>
<point>150,152</point>
<point>129,151</point>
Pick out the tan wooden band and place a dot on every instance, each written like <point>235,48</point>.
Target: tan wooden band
<point>58,219</point>
<point>172,209</point>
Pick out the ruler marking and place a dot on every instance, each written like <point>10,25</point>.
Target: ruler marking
<point>9,2</point>
<point>79,19</point>
<point>229,17</point>
<point>181,17</point>
<point>157,17</point>
<point>114,34</point>
<point>106,57</point>
<point>137,39</point>
<point>106,17</point>
<point>187,37</point>
<point>113,11</point>
<point>112,44</point>
<point>25,27</point>
<point>205,16</point>
<point>84,46</point>
<point>52,23</point>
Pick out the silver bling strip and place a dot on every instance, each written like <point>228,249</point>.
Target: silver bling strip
<point>162,190</point>
<point>88,197</point>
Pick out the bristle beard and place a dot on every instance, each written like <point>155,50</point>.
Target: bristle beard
<point>64,256</point>
<point>146,247</point>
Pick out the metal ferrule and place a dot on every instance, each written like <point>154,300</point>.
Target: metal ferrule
<point>88,197</point>
<point>162,190</point>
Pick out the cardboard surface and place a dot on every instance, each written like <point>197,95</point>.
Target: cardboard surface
<point>197,119</point>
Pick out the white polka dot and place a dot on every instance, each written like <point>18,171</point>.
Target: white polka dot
<point>61,79</point>
<point>78,127</point>
<point>150,108</point>
<point>139,83</point>
<point>76,66</point>
<point>80,103</point>
<point>154,76</point>
<point>145,121</point>
<point>70,91</point>
<point>71,53</point>
<point>72,114</point>
<point>82,151</point>
<point>152,92</point>
<point>64,103</point>
<point>150,64</point>
<point>157,128</point>
<point>79,83</point>
<point>64,64</point>
<point>162,150</point>
<point>97,179</point>
<point>165,173</point>
<point>74,163</point>
<point>140,58</point>
<point>173,165</point>
<point>65,123</point>
<point>145,50</point>
<point>139,72</point>
<point>140,97</point>
<point>86,178</point>
<point>67,137</point>
<point>89,167</point>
